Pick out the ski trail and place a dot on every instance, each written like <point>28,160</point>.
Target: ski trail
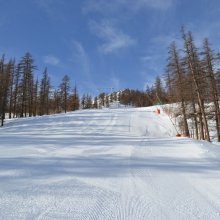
<point>107,164</point>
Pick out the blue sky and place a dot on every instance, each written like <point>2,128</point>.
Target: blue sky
<point>103,43</point>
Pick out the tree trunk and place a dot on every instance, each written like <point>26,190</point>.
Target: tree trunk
<point>186,128</point>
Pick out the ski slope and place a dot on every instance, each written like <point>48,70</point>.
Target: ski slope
<point>123,164</point>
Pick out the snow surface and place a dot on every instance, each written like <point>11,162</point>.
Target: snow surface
<point>106,164</point>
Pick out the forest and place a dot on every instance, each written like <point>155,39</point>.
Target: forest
<point>22,95</point>
<point>191,80</point>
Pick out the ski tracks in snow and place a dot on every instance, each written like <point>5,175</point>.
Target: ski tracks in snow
<point>107,164</point>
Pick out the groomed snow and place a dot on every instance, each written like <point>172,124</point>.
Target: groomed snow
<point>106,164</point>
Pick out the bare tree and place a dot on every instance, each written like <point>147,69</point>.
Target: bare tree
<point>44,93</point>
<point>64,90</point>
<point>27,83</point>
<point>11,87</point>
<point>5,78</point>
<point>178,82</point>
<point>196,74</point>
<point>75,102</point>
<point>208,65</point>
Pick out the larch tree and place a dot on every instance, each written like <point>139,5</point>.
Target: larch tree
<point>27,84</point>
<point>196,74</point>
<point>177,80</point>
<point>209,65</point>
<point>45,93</point>
<point>75,102</point>
<point>159,91</point>
<point>83,101</point>
<point>11,88</point>
<point>5,78</point>
<point>17,79</point>
<point>64,90</point>
<point>95,104</point>
<point>35,99</point>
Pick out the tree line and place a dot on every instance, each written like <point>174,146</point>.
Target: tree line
<point>24,95</point>
<point>21,95</point>
<point>152,95</point>
<point>192,81</point>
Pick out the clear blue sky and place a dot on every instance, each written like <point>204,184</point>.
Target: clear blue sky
<point>103,43</point>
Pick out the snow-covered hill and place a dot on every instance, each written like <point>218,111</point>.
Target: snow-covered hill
<point>106,164</point>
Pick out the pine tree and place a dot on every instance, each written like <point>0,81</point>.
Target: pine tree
<point>11,87</point>
<point>83,101</point>
<point>56,103</point>
<point>75,102</point>
<point>95,104</point>
<point>88,102</point>
<point>5,78</point>
<point>102,99</point>
<point>45,93</point>
<point>177,82</point>
<point>16,90</point>
<point>26,84</point>
<point>196,74</point>
<point>64,90</point>
<point>159,91</point>
<point>208,65</point>
<point>35,99</point>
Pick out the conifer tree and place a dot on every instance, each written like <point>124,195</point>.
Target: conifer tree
<point>177,80</point>
<point>26,84</point>
<point>95,104</point>
<point>102,99</point>
<point>208,65</point>
<point>83,101</point>
<point>44,93</point>
<point>56,103</point>
<point>196,74</point>
<point>75,102</point>
<point>64,91</point>
<point>159,91</point>
<point>11,88</point>
<point>16,90</point>
<point>35,99</point>
<point>5,78</point>
<point>88,102</point>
